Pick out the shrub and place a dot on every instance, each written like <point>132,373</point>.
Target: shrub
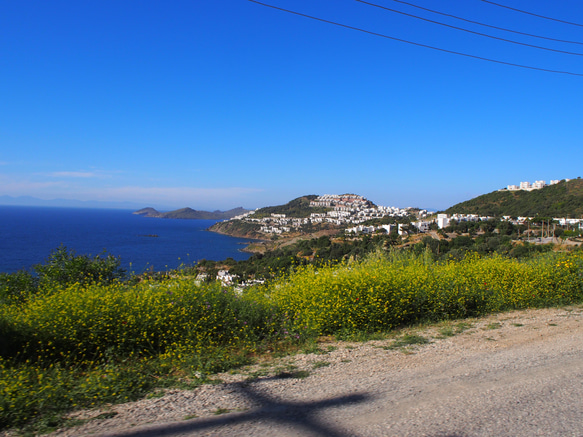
<point>17,287</point>
<point>381,293</point>
<point>65,267</point>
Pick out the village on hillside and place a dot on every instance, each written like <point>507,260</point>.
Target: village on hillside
<point>352,210</point>
<point>346,210</point>
<point>354,215</point>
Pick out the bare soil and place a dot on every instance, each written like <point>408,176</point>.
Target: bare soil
<point>510,374</point>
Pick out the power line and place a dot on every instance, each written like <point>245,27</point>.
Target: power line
<point>469,31</point>
<point>530,13</point>
<point>488,25</point>
<point>414,43</point>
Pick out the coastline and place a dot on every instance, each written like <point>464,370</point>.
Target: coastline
<point>254,245</point>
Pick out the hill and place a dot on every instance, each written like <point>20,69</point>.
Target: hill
<point>293,219</point>
<point>299,208</point>
<point>564,199</point>
<point>191,214</point>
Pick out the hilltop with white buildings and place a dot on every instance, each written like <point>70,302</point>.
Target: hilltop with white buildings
<point>562,198</point>
<point>338,210</point>
<point>537,185</point>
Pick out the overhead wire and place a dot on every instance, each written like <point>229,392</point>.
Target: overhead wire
<point>533,14</point>
<point>468,30</point>
<point>346,26</point>
<point>488,25</point>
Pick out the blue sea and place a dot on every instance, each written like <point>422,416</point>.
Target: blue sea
<point>29,234</point>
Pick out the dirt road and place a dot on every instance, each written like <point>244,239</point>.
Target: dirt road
<point>511,374</point>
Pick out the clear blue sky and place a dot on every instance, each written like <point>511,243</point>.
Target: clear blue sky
<point>223,103</point>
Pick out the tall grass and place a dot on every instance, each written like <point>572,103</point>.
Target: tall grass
<point>80,345</point>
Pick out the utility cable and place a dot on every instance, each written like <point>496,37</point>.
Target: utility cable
<point>469,31</point>
<point>535,15</point>
<point>414,43</point>
<point>488,25</point>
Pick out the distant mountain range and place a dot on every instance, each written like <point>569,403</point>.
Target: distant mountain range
<point>191,214</point>
<point>564,199</point>
<point>65,203</point>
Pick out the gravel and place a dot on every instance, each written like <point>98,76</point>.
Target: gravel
<point>510,374</point>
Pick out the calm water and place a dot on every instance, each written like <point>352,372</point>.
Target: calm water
<point>29,234</point>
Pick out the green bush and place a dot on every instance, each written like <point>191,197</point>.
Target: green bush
<point>64,267</point>
<point>17,287</point>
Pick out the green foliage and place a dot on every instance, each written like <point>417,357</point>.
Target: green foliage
<point>238,228</point>
<point>564,199</point>
<point>299,208</point>
<point>483,237</point>
<point>29,392</point>
<point>82,345</point>
<point>89,324</point>
<point>380,294</point>
<point>318,251</point>
<point>64,267</point>
<point>17,287</point>
<point>408,340</point>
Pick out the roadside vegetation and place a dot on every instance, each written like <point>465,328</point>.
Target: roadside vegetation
<point>78,333</point>
<point>457,240</point>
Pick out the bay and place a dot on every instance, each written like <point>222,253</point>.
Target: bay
<point>29,234</point>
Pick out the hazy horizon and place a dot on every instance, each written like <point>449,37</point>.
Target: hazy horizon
<point>215,105</point>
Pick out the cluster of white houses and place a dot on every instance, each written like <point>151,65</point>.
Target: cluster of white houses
<point>347,209</point>
<point>229,279</point>
<point>341,202</point>
<point>352,209</point>
<point>537,185</point>
<point>443,220</point>
<point>422,226</point>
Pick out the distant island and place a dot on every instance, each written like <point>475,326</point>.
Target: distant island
<point>192,214</point>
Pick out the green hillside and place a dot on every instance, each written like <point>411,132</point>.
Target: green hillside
<point>564,199</point>
<point>299,207</point>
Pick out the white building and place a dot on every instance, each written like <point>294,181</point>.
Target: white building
<point>422,226</point>
<point>442,221</point>
<point>527,186</point>
<point>538,185</point>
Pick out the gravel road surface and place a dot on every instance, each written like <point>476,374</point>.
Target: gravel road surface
<point>510,374</point>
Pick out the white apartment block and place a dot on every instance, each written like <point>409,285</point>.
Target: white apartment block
<point>537,185</point>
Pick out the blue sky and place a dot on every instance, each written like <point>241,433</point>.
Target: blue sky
<point>225,103</point>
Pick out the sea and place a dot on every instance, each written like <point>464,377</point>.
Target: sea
<point>29,234</point>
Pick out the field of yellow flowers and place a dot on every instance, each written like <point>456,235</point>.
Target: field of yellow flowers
<point>79,346</point>
<point>383,292</point>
